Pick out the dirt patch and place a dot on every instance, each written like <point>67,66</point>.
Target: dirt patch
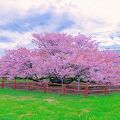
<point>19,98</point>
<point>50,100</point>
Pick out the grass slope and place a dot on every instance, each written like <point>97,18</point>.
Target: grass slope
<point>27,105</point>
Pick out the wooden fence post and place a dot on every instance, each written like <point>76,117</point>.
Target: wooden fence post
<point>78,87</point>
<point>28,85</point>
<point>86,91</point>
<point>106,89</point>
<point>3,83</point>
<point>45,87</point>
<point>14,84</point>
<point>64,89</point>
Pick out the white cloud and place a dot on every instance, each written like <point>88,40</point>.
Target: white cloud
<point>17,39</point>
<point>99,18</point>
<point>103,9</point>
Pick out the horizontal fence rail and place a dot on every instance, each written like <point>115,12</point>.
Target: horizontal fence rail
<point>47,87</point>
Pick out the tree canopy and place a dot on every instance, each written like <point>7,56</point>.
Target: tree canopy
<point>62,55</point>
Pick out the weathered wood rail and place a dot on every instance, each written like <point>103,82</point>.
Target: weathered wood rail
<point>47,87</point>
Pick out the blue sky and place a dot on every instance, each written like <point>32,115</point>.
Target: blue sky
<point>97,18</point>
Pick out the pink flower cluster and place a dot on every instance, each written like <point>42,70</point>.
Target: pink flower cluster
<point>62,55</point>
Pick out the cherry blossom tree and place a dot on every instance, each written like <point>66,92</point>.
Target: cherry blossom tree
<point>76,56</point>
<point>16,63</point>
<point>62,50</point>
<point>64,58</point>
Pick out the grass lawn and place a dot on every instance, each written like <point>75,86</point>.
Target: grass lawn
<point>30,105</point>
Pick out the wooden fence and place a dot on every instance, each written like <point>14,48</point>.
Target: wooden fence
<point>47,87</point>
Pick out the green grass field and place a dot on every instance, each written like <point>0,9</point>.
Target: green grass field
<point>30,105</point>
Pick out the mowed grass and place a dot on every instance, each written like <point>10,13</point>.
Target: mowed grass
<point>31,105</point>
